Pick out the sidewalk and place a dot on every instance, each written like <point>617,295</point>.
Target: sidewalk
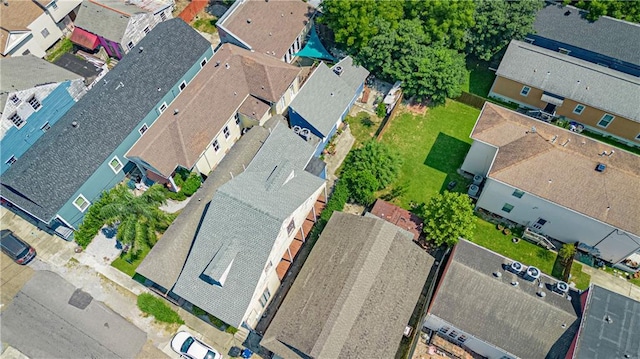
<point>613,283</point>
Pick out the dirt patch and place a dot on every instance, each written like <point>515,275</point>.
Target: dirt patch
<point>419,108</point>
<point>179,6</point>
<point>354,209</point>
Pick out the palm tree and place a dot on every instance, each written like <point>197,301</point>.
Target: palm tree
<point>138,218</point>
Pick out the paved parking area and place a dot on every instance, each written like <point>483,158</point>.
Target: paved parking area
<point>13,277</point>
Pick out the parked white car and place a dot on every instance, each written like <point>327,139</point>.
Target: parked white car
<point>189,347</point>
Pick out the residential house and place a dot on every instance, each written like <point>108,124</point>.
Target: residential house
<point>34,94</point>
<point>118,25</point>
<point>237,89</point>
<point>33,26</point>
<point>501,309</point>
<point>398,216</point>
<point>252,223</point>
<point>557,183</point>
<point>162,266</point>
<point>325,100</point>
<point>601,99</point>
<point>609,326</point>
<point>276,27</point>
<point>355,294</point>
<point>607,41</point>
<point>58,178</point>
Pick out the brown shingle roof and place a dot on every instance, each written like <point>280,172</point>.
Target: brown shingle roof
<point>268,26</point>
<point>207,103</point>
<point>531,161</point>
<point>16,16</point>
<point>398,216</point>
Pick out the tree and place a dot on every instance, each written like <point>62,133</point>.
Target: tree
<point>378,159</point>
<point>403,53</point>
<point>628,10</point>
<point>354,22</point>
<point>362,185</point>
<point>444,21</point>
<point>138,217</point>
<point>499,21</point>
<point>566,253</point>
<point>447,217</point>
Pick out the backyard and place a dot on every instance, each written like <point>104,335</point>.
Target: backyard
<point>433,146</point>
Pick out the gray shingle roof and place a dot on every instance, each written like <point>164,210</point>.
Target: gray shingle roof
<point>102,21</point>
<point>25,72</point>
<point>165,260</point>
<point>354,295</point>
<point>569,77</point>
<point>600,338</point>
<point>611,37</point>
<point>353,75</point>
<point>513,318</point>
<point>245,216</point>
<point>324,97</point>
<point>106,115</point>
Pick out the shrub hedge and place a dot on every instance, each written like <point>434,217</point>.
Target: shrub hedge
<point>152,305</point>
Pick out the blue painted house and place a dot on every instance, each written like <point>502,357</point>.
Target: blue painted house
<point>325,100</point>
<point>59,177</point>
<point>607,41</point>
<point>34,94</point>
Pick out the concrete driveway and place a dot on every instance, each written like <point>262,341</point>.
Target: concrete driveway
<point>50,318</point>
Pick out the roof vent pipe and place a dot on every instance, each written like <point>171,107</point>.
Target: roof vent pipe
<point>74,124</point>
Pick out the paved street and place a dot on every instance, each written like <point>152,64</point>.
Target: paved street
<point>41,323</point>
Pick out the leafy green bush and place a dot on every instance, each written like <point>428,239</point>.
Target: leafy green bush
<point>152,305</point>
<point>197,311</point>
<point>191,184</point>
<point>92,222</point>
<point>232,330</point>
<point>215,321</point>
<point>381,110</point>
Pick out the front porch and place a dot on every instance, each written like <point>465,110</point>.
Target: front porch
<point>300,237</point>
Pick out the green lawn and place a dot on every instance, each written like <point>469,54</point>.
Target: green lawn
<point>206,25</point>
<point>480,78</point>
<point>130,268</point>
<point>363,126</point>
<point>433,146</point>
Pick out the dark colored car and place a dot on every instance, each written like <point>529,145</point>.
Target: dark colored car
<point>20,251</point>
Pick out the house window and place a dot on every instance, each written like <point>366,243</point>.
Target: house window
<point>44,33</point>
<point>54,5</point>
<point>35,104</point>
<point>539,223</point>
<point>130,45</point>
<point>115,164</point>
<point>216,145</point>
<point>226,132</point>
<point>638,137</point>
<point>518,193</point>
<point>291,227</point>
<point>444,330</point>
<point>564,51</point>
<point>162,107</point>
<point>11,160</point>
<point>268,267</point>
<point>26,52</point>
<point>17,120</point>
<point>525,90</point>
<point>163,16</point>
<point>81,203</point>
<point>182,85</point>
<point>605,120</point>
<point>203,62</point>
<point>507,207</point>
<point>462,338</point>
<point>14,99</point>
<point>237,119</point>
<point>453,334</point>
<point>528,40</point>
<point>265,297</point>
<point>45,127</point>
<point>143,129</point>
<point>146,30</point>
<point>578,110</point>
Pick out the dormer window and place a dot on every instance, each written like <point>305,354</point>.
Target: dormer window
<point>17,120</point>
<point>14,99</point>
<point>35,104</point>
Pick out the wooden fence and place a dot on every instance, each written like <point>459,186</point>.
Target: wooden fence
<point>387,119</point>
<point>471,100</point>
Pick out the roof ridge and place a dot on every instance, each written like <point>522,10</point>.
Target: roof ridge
<point>537,154</point>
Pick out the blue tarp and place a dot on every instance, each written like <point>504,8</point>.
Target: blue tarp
<point>314,48</point>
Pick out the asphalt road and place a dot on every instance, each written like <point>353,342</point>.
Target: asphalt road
<point>41,323</point>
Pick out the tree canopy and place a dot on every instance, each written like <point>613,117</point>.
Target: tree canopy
<point>368,169</point>
<point>497,23</point>
<point>447,217</point>
<point>628,10</point>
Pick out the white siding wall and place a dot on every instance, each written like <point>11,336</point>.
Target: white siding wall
<point>479,158</point>
<point>43,22</point>
<point>483,348</point>
<point>210,158</point>
<point>562,224</point>
<point>135,29</point>
<point>269,279</point>
<point>64,7</point>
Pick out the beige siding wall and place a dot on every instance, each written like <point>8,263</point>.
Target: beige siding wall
<point>620,127</point>
<point>479,158</point>
<point>210,158</point>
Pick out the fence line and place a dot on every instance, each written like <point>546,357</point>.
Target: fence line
<point>387,119</point>
<point>471,100</point>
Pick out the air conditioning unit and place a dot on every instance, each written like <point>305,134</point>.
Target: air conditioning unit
<point>516,267</point>
<point>338,70</point>
<point>296,129</point>
<point>561,288</point>
<point>532,274</point>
